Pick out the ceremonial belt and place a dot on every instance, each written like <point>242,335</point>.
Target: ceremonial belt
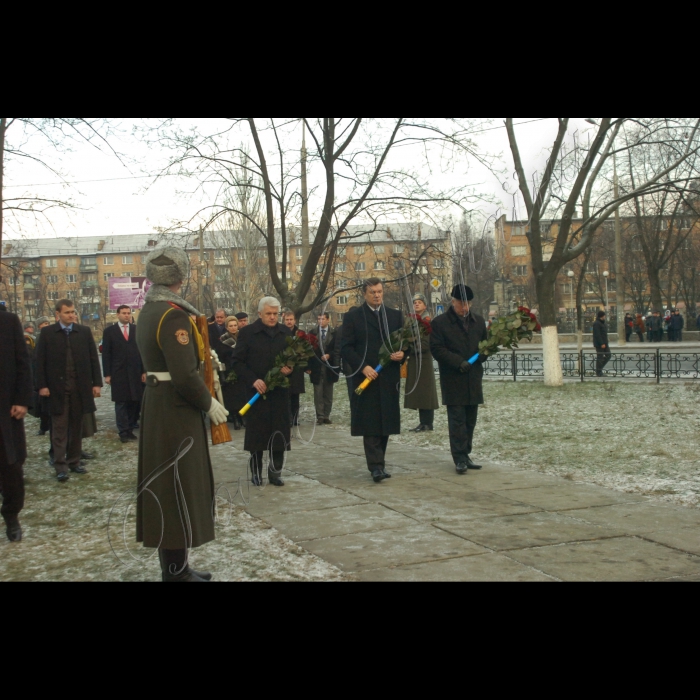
<point>161,376</point>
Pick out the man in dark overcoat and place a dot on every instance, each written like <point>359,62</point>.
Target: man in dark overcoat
<point>15,398</point>
<point>268,430</point>
<point>297,379</point>
<point>677,324</point>
<point>123,371</point>
<point>601,344</point>
<point>175,495</point>
<point>376,414</point>
<point>455,340</point>
<point>68,373</point>
<point>323,377</point>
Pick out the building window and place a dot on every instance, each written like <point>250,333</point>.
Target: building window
<point>52,296</point>
<point>71,262</point>
<point>342,284</point>
<point>590,288</point>
<point>71,279</point>
<point>298,269</point>
<point>342,301</point>
<point>340,267</point>
<point>398,265</point>
<point>379,250</point>
<point>360,267</point>
<point>52,262</point>
<point>520,271</point>
<point>241,255</point>
<point>107,275</point>
<point>127,259</point>
<point>379,265</point>
<point>518,251</point>
<point>438,263</point>
<point>398,249</point>
<point>143,259</point>
<point>567,288</point>
<point>359,250</point>
<point>340,317</point>
<point>52,279</point>
<point>89,261</point>
<point>299,253</point>
<point>220,255</point>
<point>107,260</point>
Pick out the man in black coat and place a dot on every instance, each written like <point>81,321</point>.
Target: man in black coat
<point>454,341</point>
<point>676,325</point>
<point>297,383</point>
<point>601,343</point>
<point>268,428</point>
<point>376,414</point>
<point>123,371</point>
<point>323,377</point>
<point>15,398</point>
<point>68,373</point>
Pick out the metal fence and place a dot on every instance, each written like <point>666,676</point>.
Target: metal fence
<point>622,365</point>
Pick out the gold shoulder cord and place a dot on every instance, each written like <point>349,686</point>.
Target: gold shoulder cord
<point>195,334</point>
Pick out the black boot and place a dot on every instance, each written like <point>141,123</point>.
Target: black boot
<point>174,567</point>
<point>14,529</point>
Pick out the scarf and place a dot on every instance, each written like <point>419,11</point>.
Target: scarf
<point>159,292</point>
<point>228,339</point>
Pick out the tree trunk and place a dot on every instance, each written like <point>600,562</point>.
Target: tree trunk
<point>657,303</point>
<point>553,375</point>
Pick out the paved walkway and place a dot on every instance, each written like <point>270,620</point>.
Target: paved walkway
<point>429,524</point>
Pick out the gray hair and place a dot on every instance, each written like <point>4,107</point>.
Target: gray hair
<point>268,301</point>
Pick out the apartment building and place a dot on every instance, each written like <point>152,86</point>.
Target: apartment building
<point>226,270</point>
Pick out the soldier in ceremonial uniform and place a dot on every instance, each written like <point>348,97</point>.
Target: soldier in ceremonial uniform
<point>176,484</point>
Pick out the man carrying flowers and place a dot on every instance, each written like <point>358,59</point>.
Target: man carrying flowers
<point>254,358</point>
<point>376,413</point>
<point>454,341</point>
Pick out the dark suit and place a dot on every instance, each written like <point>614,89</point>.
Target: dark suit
<point>322,376</point>
<point>453,341</point>
<point>121,361</point>
<point>376,414</point>
<point>297,386</point>
<point>600,339</point>
<point>68,365</point>
<point>15,390</point>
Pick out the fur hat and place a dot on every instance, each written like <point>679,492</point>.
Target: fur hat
<point>43,319</point>
<point>167,266</point>
<point>420,297</point>
<point>462,292</point>
<point>241,315</point>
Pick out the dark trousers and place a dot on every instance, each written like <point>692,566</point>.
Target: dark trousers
<point>12,488</point>
<point>45,424</point>
<point>628,335</point>
<point>294,409</point>
<point>461,422</point>
<point>602,359</point>
<point>375,451</point>
<point>323,398</point>
<point>678,336</point>
<point>67,432</point>
<point>275,466</point>
<point>427,417</point>
<point>641,336</point>
<point>127,416</point>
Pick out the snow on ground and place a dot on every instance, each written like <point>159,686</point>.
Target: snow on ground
<point>67,538</point>
<point>638,438</point>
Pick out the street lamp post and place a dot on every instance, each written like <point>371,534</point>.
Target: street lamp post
<point>570,275</point>
<point>606,274</point>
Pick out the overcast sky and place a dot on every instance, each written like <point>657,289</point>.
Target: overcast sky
<point>117,199</point>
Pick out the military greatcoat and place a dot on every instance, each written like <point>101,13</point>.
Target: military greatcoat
<point>172,417</point>
<point>376,413</point>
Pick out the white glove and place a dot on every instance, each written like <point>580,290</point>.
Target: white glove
<point>217,413</point>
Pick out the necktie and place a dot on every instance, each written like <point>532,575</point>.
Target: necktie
<point>67,332</point>
<point>125,331</point>
<point>324,335</point>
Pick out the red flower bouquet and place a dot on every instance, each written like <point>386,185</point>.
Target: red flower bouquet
<point>508,331</point>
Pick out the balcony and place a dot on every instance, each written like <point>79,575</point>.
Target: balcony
<point>88,268</point>
<point>88,283</point>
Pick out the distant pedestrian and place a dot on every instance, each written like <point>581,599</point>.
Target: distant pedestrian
<point>697,322</point>
<point>667,326</point>
<point>657,331</point>
<point>601,343</point>
<point>15,398</point>
<point>124,372</point>
<point>649,324</point>
<point>297,383</point>
<point>640,327</point>
<point>677,323</point>
<point>68,372</point>
<point>629,327</point>
<point>421,392</point>
<point>323,376</point>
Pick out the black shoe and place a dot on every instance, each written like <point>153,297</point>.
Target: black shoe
<point>471,464</point>
<point>418,429</point>
<point>428,428</point>
<point>131,437</point>
<point>185,576</point>
<point>386,474</point>
<point>62,477</point>
<point>320,421</point>
<point>79,469</point>
<point>257,481</point>
<point>461,468</point>
<point>124,438</point>
<point>236,425</point>
<point>41,432</point>
<point>52,461</point>
<point>204,575</point>
<point>14,530</point>
<point>378,475</point>
<point>327,421</point>
<point>86,455</point>
<point>276,481</point>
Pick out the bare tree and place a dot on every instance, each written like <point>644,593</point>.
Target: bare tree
<point>354,174</point>
<point>575,178</point>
